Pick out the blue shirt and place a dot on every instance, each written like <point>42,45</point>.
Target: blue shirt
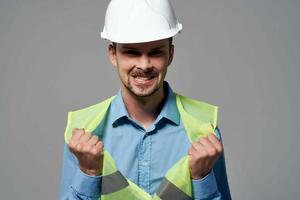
<point>143,156</point>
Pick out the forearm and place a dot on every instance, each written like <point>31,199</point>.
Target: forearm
<point>75,185</point>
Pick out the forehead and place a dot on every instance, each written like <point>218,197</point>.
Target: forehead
<point>164,43</point>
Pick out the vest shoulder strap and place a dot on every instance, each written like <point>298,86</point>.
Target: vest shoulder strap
<point>199,118</point>
<point>203,111</point>
<point>87,118</point>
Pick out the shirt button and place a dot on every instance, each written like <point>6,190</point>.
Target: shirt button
<point>144,163</point>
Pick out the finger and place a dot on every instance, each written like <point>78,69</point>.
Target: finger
<point>98,147</point>
<point>197,146</point>
<point>89,145</point>
<point>206,142</point>
<point>85,137</point>
<point>192,151</point>
<point>209,147</point>
<point>77,133</point>
<point>214,140</point>
<point>79,147</point>
<point>99,144</point>
<point>93,140</point>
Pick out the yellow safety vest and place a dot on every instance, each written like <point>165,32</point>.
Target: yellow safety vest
<point>199,119</point>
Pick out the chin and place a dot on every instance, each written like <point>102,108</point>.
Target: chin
<point>143,92</point>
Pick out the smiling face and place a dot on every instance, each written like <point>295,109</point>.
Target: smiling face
<point>142,67</point>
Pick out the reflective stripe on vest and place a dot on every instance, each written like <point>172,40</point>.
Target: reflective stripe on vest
<point>168,190</point>
<point>198,119</point>
<point>113,182</point>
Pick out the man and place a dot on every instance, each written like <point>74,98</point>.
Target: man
<point>147,141</point>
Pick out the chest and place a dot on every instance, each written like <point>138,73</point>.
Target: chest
<point>145,156</point>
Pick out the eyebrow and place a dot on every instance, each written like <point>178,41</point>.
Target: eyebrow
<point>132,48</point>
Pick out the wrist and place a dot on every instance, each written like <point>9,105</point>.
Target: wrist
<point>199,176</point>
<point>91,172</point>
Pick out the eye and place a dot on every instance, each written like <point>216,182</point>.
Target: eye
<point>131,53</point>
<point>156,53</point>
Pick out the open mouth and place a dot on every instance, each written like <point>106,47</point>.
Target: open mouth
<point>143,80</point>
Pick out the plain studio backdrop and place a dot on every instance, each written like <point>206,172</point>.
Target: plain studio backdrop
<point>243,56</point>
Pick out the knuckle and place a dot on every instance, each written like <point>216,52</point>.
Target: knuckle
<point>212,151</point>
<point>78,147</point>
<point>85,137</point>
<point>94,151</point>
<point>95,138</point>
<point>87,148</point>
<point>195,145</point>
<point>205,152</point>
<point>193,154</point>
<point>72,144</point>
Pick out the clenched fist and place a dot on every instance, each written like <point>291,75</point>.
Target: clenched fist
<point>89,151</point>
<point>203,154</point>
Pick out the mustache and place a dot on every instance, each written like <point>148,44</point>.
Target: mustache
<point>150,72</point>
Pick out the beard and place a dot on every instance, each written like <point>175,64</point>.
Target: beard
<point>142,83</point>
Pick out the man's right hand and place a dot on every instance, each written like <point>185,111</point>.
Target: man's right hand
<point>89,151</point>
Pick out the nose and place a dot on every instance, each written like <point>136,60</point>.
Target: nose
<point>144,62</point>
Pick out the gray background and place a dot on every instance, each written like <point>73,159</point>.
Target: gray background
<point>240,55</point>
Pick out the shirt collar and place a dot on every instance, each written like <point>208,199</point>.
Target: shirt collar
<point>169,110</point>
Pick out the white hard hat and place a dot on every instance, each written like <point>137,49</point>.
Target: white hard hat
<point>135,21</point>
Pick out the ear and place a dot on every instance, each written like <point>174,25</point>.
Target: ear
<point>171,54</point>
<point>112,53</point>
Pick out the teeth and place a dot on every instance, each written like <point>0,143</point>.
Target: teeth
<point>143,78</point>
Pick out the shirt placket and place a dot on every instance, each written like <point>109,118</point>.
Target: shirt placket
<point>144,156</point>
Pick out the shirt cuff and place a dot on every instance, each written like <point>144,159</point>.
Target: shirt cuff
<point>87,185</point>
<point>205,187</point>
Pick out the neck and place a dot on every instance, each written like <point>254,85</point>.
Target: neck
<point>144,109</point>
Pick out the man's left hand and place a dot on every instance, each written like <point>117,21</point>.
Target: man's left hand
<point>203,154</point>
